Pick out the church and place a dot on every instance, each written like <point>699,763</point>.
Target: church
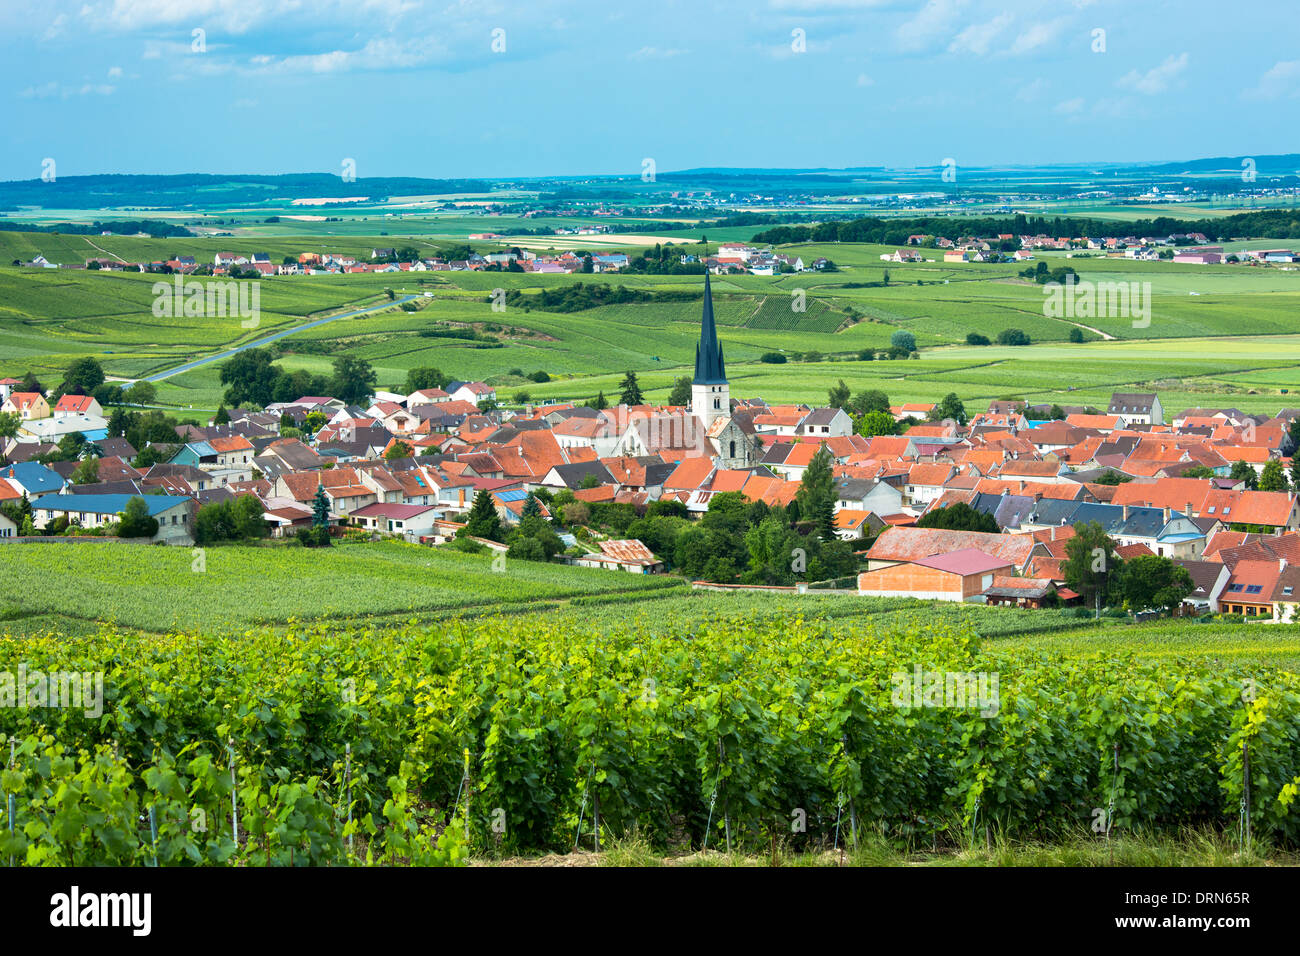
<point>707,427</point>
<point>731,437</point>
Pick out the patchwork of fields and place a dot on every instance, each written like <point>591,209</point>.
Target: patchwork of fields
<point>1218,334</point>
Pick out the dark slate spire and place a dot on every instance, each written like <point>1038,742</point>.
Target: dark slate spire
<point>709,369</point>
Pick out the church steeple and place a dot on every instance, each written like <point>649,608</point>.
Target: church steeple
<point>710,394</point>
<point>709,368</point>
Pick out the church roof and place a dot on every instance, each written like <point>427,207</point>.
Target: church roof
<point>709,368</point>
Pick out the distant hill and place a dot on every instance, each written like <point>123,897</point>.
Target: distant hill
<point>206,190</point>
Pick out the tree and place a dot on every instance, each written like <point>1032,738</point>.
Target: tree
<point>950,408</point>
<point>1244,472</point>
<point>1112,477</point>
<point>816,494</point>
<point>398,449</point>
<point>1056,413</point>
<point>534,529</point>
<point>599,402</point>
<point>974,338</point>
<point>418,379</point>
<point>140,393</point>
<point>1013,337</point>
<point>82,377</point>
<point>314,422</point>
<point>875,423</point>
<point>136,522</point>
<point>681,393</point>
<point>1076,334</point>
<point>10,423</point>
<point>86,472</point>
<point>838,396</point>
<point>28,530</point>
<point>1091,565</point>
<point>320,508</point>
<point>1198,471</point>
<point>1153,581</point>
<point>483,521</point>
<point>1295,471</point>
<point>869,400</point>
<point>354,380</point>
<point>630,391</point>
<point>222,417</point>
<point>576,513</point>
<point>531,508</point>
<point>959,516</point>
<point>250,378</point>
<point>902,339</point>
<point>1272,478</point>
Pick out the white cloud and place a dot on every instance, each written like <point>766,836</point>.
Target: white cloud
<point>114,72</point>
<point>1282,79</point>
<point>1069,106</point>
<point>977,37</point>
<point>1157,79</point>
<point>1031,91</point>
<point>934,20</point>
<point>1039,34</point>
<point>655,53</point>
<point>53,88</point>
<point>864,80</point>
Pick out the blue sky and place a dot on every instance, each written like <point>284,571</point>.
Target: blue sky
<point>406,87</point>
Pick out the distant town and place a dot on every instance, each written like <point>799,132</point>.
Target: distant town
<point>918,499</point>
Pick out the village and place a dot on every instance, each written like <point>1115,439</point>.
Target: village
<point>730,258</point>
<point>1207,489</point>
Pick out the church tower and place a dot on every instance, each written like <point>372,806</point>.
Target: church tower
<point>710,394</point>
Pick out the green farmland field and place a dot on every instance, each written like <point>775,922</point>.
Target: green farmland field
<point>1225,335</point>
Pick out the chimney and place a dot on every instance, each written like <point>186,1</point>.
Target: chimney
<point>1281,564</point>
<point>1126,512</point>
<point>1189,511</point>
<point>1168,514</point>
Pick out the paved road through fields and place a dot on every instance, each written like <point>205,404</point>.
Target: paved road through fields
<point>197,363</point>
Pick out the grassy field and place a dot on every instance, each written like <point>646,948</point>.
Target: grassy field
<point>157,589</point>
<point>70,588</point>
<point>1218,335</point>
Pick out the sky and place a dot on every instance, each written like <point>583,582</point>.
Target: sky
<point>540,88</point>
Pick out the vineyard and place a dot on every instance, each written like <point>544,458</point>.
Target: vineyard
<point>160,589</point>
<point>302,744</point>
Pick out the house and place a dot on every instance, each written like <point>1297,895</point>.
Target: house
<point>474,392</point>
<point>1137,408</point>
<point>77,405</point>
<point>825,423</point>
<point>1209,578</point>
<point>173,513</point>
<point>26,405</point>
<point>409,521</point>
<point>1022,592</point>
<point>625,555</point>
<point>32,479</point>
<point>898,545</point>
<point>961,575</point>
<point>1262,589</point>
<point>867,494</point>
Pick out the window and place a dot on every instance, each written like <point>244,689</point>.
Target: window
<point>1234,587</point>
<point>1254,588</point>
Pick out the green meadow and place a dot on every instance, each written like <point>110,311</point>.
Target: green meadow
<point>1227,335</point>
